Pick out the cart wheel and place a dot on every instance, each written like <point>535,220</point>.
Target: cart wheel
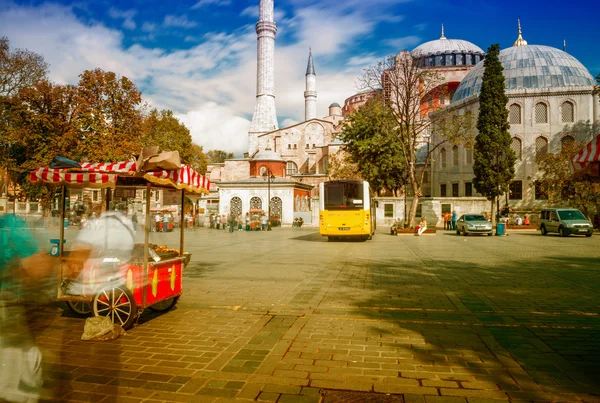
<point>164,305</point>
<point>81,308</point>
<point>117,303</point>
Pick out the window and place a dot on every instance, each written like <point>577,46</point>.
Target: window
<point>541,192</point>
<point>289,146</point>
<point>566,143</point>
<point>262,171</point>
<point>388,210</point>
<point>314,146</point>
<point>455,190</point>
<point>295,146</point>
<point>426,177</point>
<point>516,190</point>
<point>469,155</point>
<point>514,114</point>
<point>515,145</point>
<point>96,196</point>
<point>255,203</point>
<point>567,112</point>
<point>443,190</point>
<point>541,113</point>
<point>307,146</point>
<point>443,157</point>
<point>455,156</point>
<point>446,208</point>
<point>291,168</point>
<point>541,147</point>
<point>157,196</point>
<point>235,206</point>
<point>468,189</point>
<point>419,210</point>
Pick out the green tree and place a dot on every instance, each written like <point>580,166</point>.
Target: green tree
<point>340,167</point>
<point>494,160</point>
<point>218,156</point>
<point>198,159</point>
<point>162,129</point>
<point>369,135</point>
<point>406,82</point>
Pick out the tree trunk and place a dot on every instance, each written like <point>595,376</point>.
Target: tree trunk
<point>493,213</point>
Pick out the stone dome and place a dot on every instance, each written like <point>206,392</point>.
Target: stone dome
<point>443,46</point>
<point>268,155</point>
<point>335,105</point>
<point>530,67</point>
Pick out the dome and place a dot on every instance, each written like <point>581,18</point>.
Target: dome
<point>443,46</point>
<point>335,105</point>
<point>268,155</point>
<point>530,67</point>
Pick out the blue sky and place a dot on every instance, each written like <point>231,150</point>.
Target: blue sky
<point>198,57</point>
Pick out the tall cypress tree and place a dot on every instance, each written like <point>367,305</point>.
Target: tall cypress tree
<point>494,160</point>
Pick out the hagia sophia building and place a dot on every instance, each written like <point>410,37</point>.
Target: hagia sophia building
<point>548,90</point>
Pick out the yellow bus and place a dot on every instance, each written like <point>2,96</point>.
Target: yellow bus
<point>346,210</point>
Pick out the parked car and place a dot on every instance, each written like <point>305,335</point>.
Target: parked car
<point>565,221</point>
<point>473,224</point>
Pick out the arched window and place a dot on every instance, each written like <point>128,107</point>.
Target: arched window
<point>541,113</point>
<point>255,203</point>
<point>455,156</point>
<point>469,155</point>
<point>567,110</point>
<point>541,146</point>
<point>276,206</point>
<point>514,114</point>
<point>516,146</point>
<point>291,168</point>
<point>235,206</point>
<point>566,142</point>
<point>443,157</point>
<point>262,171</point>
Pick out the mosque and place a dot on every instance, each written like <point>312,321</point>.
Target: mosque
<point>548,89</point>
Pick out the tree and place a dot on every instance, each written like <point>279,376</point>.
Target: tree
<point>109,116</point>
<point>19,68</point>
<point>558,182</point>
<point>406,81</point>
<point>164,130</point>
<point>198,159</point>
<point>494,160</point>
<point>341,168</point>
<point>370,137</point>
<point>218,156</point>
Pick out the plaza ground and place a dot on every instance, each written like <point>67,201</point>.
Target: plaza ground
<point>285,316</point>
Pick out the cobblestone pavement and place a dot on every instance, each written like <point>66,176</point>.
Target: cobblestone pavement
<point>284,316</point>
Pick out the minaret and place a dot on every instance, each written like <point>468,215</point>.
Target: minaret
<point>310,95</point>
<point>265,117</point>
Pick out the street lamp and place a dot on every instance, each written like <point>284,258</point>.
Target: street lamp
<point>268,175</point>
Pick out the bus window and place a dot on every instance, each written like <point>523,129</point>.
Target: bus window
<point>344,195</point>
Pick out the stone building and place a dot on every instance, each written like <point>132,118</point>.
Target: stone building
<point>549,92</point>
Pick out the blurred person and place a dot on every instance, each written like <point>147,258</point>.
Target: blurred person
<point>453,220</point>
<point>224,221</point>
<point>134,221</point>
<point>157,221</point>
<point>166,219</point>
<point>526,220</point>
<point>422,227</point>
<point>23,271</point>
<point>263,222</point>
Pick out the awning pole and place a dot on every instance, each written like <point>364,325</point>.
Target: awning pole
<point>182,224</point>
<point>63,198</point>
<point>146,242</point>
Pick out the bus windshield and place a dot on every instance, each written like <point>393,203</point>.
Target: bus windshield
<point>344,196</point>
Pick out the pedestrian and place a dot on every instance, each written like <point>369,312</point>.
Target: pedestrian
<point>247,219</point>
<point>157,221</point>
<point>422,227</point>
<point>231,221</point>
<point>526,220</point>
<point>166,219</point>
<point>446,217</point>
<point>263,222</point>
<point>134,221</point>
<point>240,222</point>
<point>453,220</point>
<point>224,221</point>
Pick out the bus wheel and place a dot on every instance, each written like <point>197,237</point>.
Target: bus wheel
<point>330,239</point>
<point>370,237</point>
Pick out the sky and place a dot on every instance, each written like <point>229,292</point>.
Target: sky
<point>198,57</point>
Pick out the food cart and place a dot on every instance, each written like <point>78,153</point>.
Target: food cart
<point>107,286</point>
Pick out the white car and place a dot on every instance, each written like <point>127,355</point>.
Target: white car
<point>473,224</point>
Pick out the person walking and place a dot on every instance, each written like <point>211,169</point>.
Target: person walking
<point>224,221</point>
<point>263,222</point>
<point>446,220</point>
<point>231,221</point>
<point>453,220</point>
<point>166,219</point>
<point>134,221</point>
<point>247,220</point>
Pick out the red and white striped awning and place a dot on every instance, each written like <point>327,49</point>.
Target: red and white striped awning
<point>587,161</point>
<point>105,175</point>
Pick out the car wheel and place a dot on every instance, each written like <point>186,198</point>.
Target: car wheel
<point>457,231</point>
<point>465,233</point>
<point>588,235</point>
<point>562,232</point>
<point>543,230</point>
<point>490,234</point>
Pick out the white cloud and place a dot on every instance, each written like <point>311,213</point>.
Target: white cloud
<point>289,122</point>
<point>178,21</point>
<point>218,3</point>
<point>126,15</point>
<point>212,85</point>
<point>405,42</point>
